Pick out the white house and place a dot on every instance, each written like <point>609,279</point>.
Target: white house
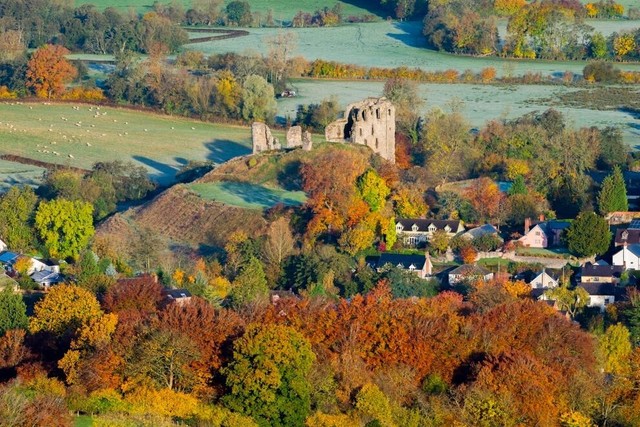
<point>544,280</point>
<point>416,231</point>
<point>602,294</point>
<point>628,257</point>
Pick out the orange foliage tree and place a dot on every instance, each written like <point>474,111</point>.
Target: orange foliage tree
<point>485,197</point>
<point>48,71</point>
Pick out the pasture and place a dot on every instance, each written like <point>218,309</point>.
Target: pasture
<point>479,103</point>
<point>389,44</point>
<point>12,173</point>
<point>79,135</point>
<point>282,9</point>
<point>247,195</point>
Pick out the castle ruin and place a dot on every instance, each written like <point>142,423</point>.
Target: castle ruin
<point>371,122</point>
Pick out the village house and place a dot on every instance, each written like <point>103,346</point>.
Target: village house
<point>483,230</point>
<point>628,257</point>
<point>45,278</point>
<point>418,231</point>
<point>544,280</point>
<point>629,235</point>
<point>419,264</point>
<point>469,272</point>
<point>178,296</point>
<point>602,294</point>
<point>543,234</point>
<point>595,273</point>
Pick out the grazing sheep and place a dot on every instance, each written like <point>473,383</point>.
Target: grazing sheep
<point>71,156</point>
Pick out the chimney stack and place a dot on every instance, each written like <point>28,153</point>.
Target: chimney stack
<point>527,225</point>
<point>541,217</point>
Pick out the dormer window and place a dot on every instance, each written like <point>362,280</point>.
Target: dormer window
<point>432,228</point>
<point>399,227</point>
<point>400,265</point>
<point>412,267</point>
<point>447,228</point>
<point>414,228</point>
<point>625,235</point>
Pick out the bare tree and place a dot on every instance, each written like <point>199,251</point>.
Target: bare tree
<point>280,242</point>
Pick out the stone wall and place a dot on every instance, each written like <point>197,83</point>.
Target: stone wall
<point>371,122</point>
<point>262,138</point>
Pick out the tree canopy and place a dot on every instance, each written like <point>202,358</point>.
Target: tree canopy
<point>588,235</point>
<point>64,226</point>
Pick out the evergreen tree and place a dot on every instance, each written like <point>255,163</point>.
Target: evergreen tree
<point>13,311</point>
<point>588,235</point>
<point>613,194</point>
<point>518,186</point>
<point>251,283</point>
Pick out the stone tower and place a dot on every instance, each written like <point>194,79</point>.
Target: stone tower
<point>371,122</point>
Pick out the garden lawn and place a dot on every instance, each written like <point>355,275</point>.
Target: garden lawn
<point>545,253</point>
<point>247,195</point>
<point>79,135</point>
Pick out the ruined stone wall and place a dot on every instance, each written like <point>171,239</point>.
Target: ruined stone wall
<point>371,122</point>
<point>262,138</point>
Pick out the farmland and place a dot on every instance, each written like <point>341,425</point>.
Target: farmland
<point>480,103</point>
<point>82,135</point>
<point>12,173</point>
<point>388,44</point>
<point>282,9</point>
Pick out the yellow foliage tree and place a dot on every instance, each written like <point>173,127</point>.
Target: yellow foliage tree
<point>320,419</point>
<point>23,264</point>
<point>374,405</point>
<point>64,308</point>
<point>623,45</point>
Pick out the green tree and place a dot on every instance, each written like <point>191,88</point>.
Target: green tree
<point>251,283</point>
<point>13,311</point>
<point>613,194</point>
<point>588,235</point>
<point>239,12</point>
<point>373,190</point>
<point>267,377</point>
<point>65,227</point>
<point>374,405</point>
<point>570,300</point>
<point>17,209</point>
<point>439,242</point>
<point>258,99</point>
<point>598,46</point>
<point>614,349</point>
<point>518,186</point>
<point>613,150</point>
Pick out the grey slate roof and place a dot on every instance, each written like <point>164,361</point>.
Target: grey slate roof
<point>481,231</point>
<point>603,289</point>
<point>46,276</point>
<point>470,270</point>
<point>629,236</point>
<point>177,293</point>
<point>594,270</point>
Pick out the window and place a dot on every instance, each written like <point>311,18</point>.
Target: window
<point>378,114</point>
<point>537,233</point>
<point>372,130</point>
<point>412,267</point>
<point>414,228</point>
<point>607,301</point>
<point>447,228</point>
<point>360,131</point>
<point>399,227</point>
<point>377,143</point>
<point>432,228</point>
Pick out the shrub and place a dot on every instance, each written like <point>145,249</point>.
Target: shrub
<point>5,93</point>
<point>602,72</point>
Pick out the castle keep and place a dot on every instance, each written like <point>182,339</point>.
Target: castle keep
<point>371,122</point>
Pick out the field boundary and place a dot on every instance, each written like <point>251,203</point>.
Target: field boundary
<point>39,163</point>
<point>226,34</point>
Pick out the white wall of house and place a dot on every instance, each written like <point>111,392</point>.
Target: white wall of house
<point>3,246</point>
<point>37,265</point>
<point>601,301</point>
<point>535,238</point>
<point>626,258</point>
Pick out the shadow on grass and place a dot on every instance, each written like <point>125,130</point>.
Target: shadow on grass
<point>411,36</point>
<point>256,194</point>
<point>222,150</point>
<point>161,173</point>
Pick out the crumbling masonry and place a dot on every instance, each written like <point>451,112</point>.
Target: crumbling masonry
<point>371,122</point>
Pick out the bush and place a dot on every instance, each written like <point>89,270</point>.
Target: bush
<point>601,72</point>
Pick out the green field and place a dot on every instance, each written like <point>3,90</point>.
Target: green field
<point>82,135</point>
<point>247,195</point>
<point>12,173</point>
<point>385,44</point>
<point>480,103</point>
<point>282,9</point>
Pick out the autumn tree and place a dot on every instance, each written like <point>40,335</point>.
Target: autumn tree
<point>64,308</point>
<point>409,203</point>
<point>13,311</point>
<point>613,194</point>
<point>404,94</point>
<point>142,293</point>
<point>439,241</point>
<point>267,377</point>
<point>64,227</point>
<point>48,71</point>
<point>614,350</point>
<point>588,235</point>
<point>12,45</point>
<point>485,197</point>
<point>280,47</point>
<point>279,244</point>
